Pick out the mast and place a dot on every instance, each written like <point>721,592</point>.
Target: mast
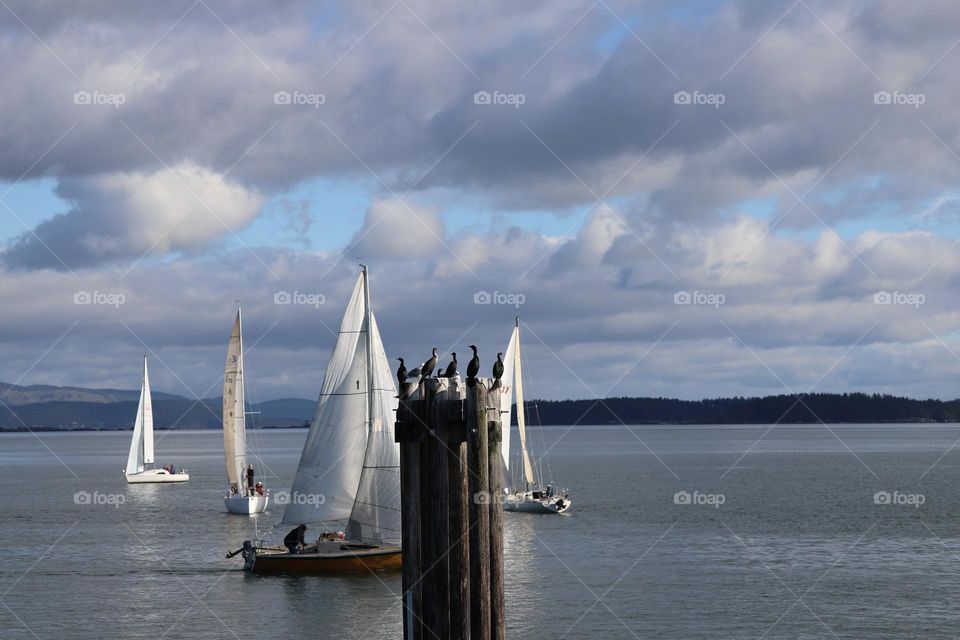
<point>369,349</point>
<point>242,454</point>
<point>368,338</point>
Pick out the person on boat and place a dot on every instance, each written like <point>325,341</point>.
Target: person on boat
<point>293,541</point>
<point>249,479</point>
<point>259,488</point>
<point>233,489</point>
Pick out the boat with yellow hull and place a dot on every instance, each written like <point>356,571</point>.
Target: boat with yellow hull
<point>324,558</point>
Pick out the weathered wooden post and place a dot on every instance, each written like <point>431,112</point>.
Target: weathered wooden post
<point>477,454</point>
<point>449,453</point>
<point>495,475</point>
<point>458,489</point>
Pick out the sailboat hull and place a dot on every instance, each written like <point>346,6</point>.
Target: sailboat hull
<point>526,503</point>
<point>329,558</point>
<point>156,475</point>
<point>246,505</point>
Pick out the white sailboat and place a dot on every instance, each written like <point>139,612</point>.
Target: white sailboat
<point>139,467</point>
<point>533,497</point>
<point>239,498</point>
<point>349,472</point>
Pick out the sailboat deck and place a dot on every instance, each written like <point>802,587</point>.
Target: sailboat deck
<point>328,557</point>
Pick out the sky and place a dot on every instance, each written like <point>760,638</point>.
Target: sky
<point>679,199</point>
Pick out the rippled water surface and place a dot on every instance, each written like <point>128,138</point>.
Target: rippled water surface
<point>778,534</point>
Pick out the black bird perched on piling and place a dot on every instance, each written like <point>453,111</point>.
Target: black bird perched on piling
<point>474,367</point>
<point>401,373</point>
<point>427,367</point>
<point>497,371</point>
<point>451,368</point>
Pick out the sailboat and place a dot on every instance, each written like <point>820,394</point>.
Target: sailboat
<point>349,472</point>
<point>239,498</point>
<point>140,459</point>
<point>533,497</point>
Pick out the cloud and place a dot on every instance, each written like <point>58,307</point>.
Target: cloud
<point>792,308</point>
<point>394,228</point>
<point>671,190</point>
<point>124,216</point>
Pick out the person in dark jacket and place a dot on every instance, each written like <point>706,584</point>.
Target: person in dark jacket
<point>293,541</point>
<point>249,479</point>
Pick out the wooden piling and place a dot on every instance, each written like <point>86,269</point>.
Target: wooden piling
<point>452,556</point>
<point>495,475</point>
<point>477,455</point>
<point>459,521</point>
<point>409,433</point>
<point>436,573</point>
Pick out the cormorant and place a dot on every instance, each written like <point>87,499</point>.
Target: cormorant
<point>401,373</point>
<point>497,371</point>
<point>451,368</point>
<point>474,367</point>
<point>427,367</point>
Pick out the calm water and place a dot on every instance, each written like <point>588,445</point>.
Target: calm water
<point>797,549</point>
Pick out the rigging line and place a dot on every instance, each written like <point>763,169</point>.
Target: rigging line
<point>378,506</point>
<point>352,393</point>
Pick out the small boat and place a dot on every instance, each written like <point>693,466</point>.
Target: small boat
<point>533,497</point>
<point>349,471</point>
<point>139,467</point>
<point>239,498</point>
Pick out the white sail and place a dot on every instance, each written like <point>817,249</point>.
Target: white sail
<point>234,409</point>
<point>375,517</point>
<point>521,416</point>
<point>141,444</point>
<point>332,461</point>
<point>506,404</point>
<point>147,404</point>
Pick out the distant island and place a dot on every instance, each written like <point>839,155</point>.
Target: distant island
<point>50,408</point>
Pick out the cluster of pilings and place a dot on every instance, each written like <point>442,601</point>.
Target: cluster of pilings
<point>451,485</point>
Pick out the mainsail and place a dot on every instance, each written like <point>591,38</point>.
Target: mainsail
<point>349,468</point>
<point>234,409</point>
<point>141,445</point>
<point>506,404</point>
<point>513,357</point>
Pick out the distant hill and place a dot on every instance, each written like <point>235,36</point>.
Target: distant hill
<point>828,407</point>
<point>14,396</point>
<point>42,407</point>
